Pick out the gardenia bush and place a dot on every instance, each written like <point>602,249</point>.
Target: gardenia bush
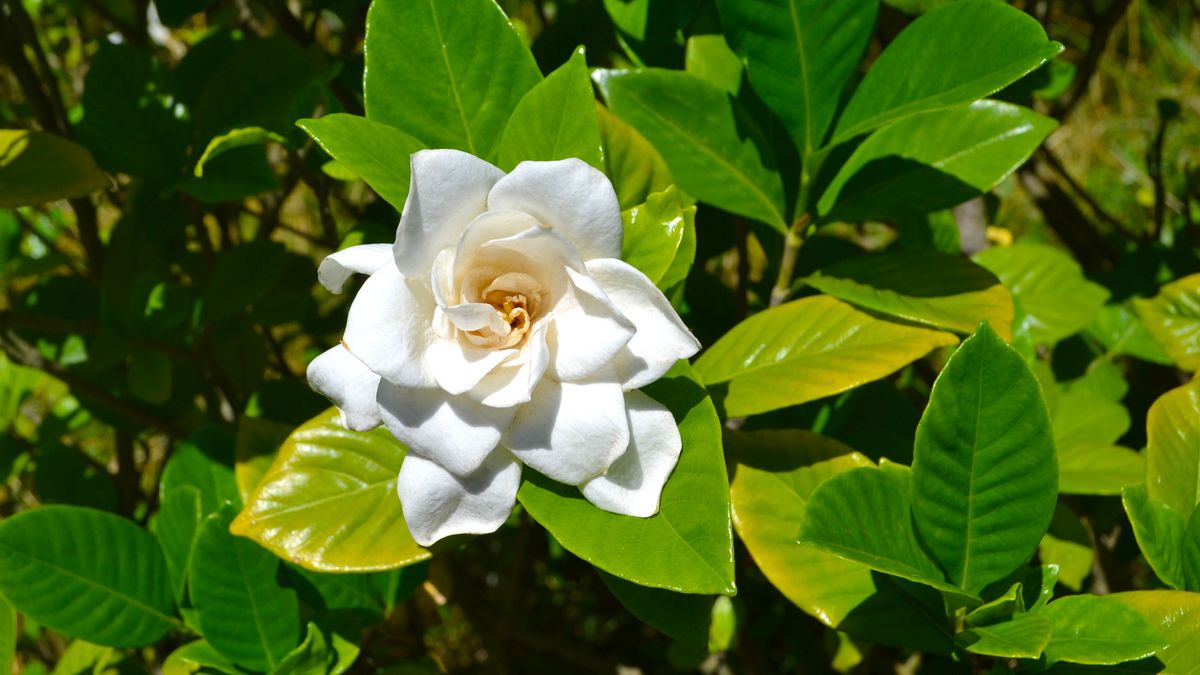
<point>717,335</point>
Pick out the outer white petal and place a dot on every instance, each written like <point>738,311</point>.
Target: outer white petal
<point>438,504</point>
<point>390,325</point>
<point>512,383</point>
<point>453,431</point>
<point>458,367</point>
<point>571,431</point>
<point>588,330</point>
<point>634,482</point>
<point>349,384</point>
<point>338,267</point>
<point>448,189</point>
<point>569,195</point>
<point>661,338</point>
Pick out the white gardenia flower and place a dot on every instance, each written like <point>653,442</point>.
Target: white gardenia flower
<point>501,329</point>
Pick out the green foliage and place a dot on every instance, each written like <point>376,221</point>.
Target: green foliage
<point>40,167</point>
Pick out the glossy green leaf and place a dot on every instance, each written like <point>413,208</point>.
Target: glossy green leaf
<point>328,503</point>
<point>933,160</point>
<point>1173,448</point>
<point>235,138</point>
<point>8,634</point>
<point>197,656</point>
<point>713,148</point>
<point>776,472</point>
<point>1022,637</point>
<point>654,234</point>
<point>799,55</point>
<point>447,72</point>
<point>240,607</point>
<point>688,545</point>
<point>311,657</point>
<point>1159,533</point>
<point>38,167</point>
<point>679,616</point>
<point>1176,615</point>
<point>555,120</point>
<point>1085,417</point>
<point>630,162</point>
<point>1173,319</point>
<point>931,288</point>
<point>1098,630</point>
<point>375,152</point>
<point>984,474</point>
<point>808,349</point>
<point>1098,469</point>
<point>87,574</point>
<point>1121,331</point>
<point>865,515</point>
<point>1053,298</point>
<point>959,63</point>
<point>179,517</point>
<point>1190,555</point>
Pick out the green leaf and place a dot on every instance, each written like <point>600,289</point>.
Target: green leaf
<point>679,616</point>
<point>242,276</point>
<point>995,611</point>
<point>1176,615</point>
<point>1085,417</point>
<point>197,656</point>
<point>984,474</point>
<point>447,72</point>
<point>799,55</point>
<point>37,167</point>
<point>376,153</point>
<point>648,30</point>
<point>809,349</point>
<point>1121,331</point>
<point>710,58</point>
<point>179,517</point>
<point>204,461</point>
<point>555,120</point>
<point>240,607</point>
<point>865,515</point>
<point>1159,533</point>
<point>713,148</point>
<point>235,138</point>
<point>87,574</point>
<point>1191,552</point>
<point>1098,630</point>
<point>1098,469</point>
<point>149,376</point>
<point>630,162</point>
<point>1173,319</point>
<point>257,442</point>
<point>1173,448</point>
<point>1068,546</point>
<point>933,160</point>
<point>310,657</point>
<point>931,288</point>
<point>8,635</point>
<point>1053,298</point>
<point>776,472</point>
<point>328,503</point>
<point>1022,637</point>
<point>959,61</point>
<point>688,545</point>
<point>654,234</point>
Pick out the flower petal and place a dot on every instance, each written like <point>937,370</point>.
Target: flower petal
<point>448,189</point>
<point>390,325</point>
<point>466,316</point>
<point>351,386</point>
<point>569,195</point>
<point>453,431</point>
<point>458,367</point>
<point>571,431</point>
<point>588,330</point>
<point>338,267</point>
<point>633,484</point>
<point>661,338</point>
<point>512,383</point>
<point>438,504</point>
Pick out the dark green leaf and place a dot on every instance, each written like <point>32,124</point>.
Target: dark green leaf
<point>235,138</point>
<point>178,520</point>
<point>679,616</point>
<point>37,167</point>
<point>631,163</point>
<point>958,60</point>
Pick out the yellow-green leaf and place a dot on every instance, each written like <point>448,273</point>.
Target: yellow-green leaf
<point>1173,319</point>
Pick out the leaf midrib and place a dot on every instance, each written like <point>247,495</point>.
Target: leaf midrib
<point>437,27</point>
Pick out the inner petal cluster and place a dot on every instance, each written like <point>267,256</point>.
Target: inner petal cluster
<point>517,299</point>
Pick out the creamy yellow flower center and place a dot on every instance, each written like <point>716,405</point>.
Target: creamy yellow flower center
<point>517,298</point>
